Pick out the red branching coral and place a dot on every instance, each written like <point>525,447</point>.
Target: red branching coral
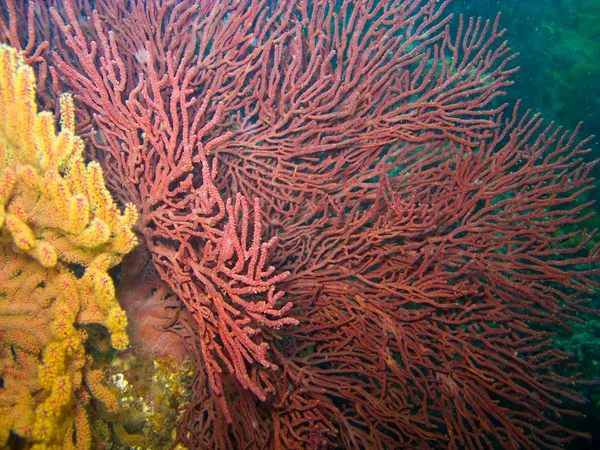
<point>373,251</point>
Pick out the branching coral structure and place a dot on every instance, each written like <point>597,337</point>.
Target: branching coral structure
<point>60,232</point>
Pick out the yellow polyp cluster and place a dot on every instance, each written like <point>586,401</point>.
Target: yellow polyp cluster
<point>22,235</point>
<point>95,381</point>
<point>79,212</point>
<point>45,254</point>
<point>60,233</point>
<point>94,235</point>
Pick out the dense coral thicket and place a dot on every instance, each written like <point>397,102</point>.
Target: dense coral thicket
<point>373,249</point>
<point>60,233</point>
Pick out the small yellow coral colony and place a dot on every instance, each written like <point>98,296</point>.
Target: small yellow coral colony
<point>60,232</point>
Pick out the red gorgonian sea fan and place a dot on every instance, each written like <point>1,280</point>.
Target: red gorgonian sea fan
<point>347,167</point>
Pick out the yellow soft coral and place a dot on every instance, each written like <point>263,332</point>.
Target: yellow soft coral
<point>60,232</point>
